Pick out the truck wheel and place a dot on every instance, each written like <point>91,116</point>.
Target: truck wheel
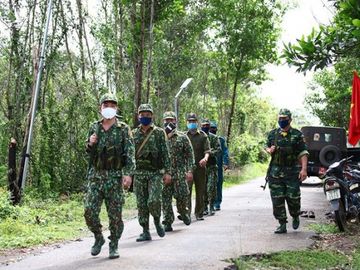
<point>329,154</point>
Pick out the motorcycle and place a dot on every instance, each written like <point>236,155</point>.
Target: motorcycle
<point>342,190</point>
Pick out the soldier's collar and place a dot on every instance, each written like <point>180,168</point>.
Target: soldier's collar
<point>284,133</point>
<point>193,133</point>
<point>152,126</point>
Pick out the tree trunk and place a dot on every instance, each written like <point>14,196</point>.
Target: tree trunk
<point>80,35</point>
<point>65,31</point>
<point>139,43</point>
<point>118,57</point>
<point>13,185</point>
<point>149,64</point>
<point>233,101</point>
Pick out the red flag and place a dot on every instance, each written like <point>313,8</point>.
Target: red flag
<point>354,123</point>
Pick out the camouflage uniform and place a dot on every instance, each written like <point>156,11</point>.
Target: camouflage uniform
<point>182,161</point>
<point>110,158</point>
<point>222,159</point>
<point>283,173</point>
<point>211,171</point>
<point>152,163</point>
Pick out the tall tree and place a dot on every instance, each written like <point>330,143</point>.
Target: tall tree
<point>248,41</point>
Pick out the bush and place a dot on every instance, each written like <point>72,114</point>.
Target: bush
<point>6,208</point>
<point>3,176</point>
<point>246,149</point>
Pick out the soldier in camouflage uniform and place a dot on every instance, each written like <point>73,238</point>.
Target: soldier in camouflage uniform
<point>211,169</point>
<point>288,167</point>
<point>152,166</point>
<point>112,162</point>
<point>222,163</point>
<point>182,162</point>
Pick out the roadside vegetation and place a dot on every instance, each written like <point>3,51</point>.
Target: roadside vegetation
<point>40,221</point>
<point>331,250</point>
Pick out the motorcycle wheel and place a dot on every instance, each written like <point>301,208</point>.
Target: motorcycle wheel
<point>340,217</point>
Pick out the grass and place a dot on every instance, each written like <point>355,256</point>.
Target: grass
<point>47,221</point>
<point>293,260</point>
<point>246,173</point>
<point>320,228</point>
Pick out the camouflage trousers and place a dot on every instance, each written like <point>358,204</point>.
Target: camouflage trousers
<point>180,191</point>
<point>109,189</point>
<point>211,183</point>
<point>148,189</point>
<point>285,189</point>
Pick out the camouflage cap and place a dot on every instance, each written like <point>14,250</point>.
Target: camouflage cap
<point>213,124</point>
<point>169,115</point>
<point>191,116</point>
<point>145,108</point>
<point>284,113</point>
<point>205,121</point>
<point>108,97</point>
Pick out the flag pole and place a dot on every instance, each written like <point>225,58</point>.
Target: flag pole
<point>36,94</point>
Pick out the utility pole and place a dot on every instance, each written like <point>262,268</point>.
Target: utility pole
<point>36,94</point>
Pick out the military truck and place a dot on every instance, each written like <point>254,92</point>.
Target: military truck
<point>327,145</point>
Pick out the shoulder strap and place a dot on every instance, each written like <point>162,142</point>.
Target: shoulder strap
<point>276,137</point>
<point>144,142</point>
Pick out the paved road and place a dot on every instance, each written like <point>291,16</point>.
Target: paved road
<point>244,226</point>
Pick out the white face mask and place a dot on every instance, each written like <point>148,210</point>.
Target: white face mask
<point>108,113</point>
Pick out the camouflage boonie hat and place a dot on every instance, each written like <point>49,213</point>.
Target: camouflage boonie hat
<point>191,116</point>
<point>145,108</point>
<point>213,124</point>
<point>169,115</point>
<point>108,97</point>
<point>205,121</point>
<point>284,113</point>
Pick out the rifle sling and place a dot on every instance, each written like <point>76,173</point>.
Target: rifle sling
<point>144,143</point>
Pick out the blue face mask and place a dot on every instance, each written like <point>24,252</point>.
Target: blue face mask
<point>205,129</point>
<point>191,125</point>
<point>283,123</point>
<point>145,121</point>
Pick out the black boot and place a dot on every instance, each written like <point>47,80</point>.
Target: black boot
<point>296,223</point>
<point>212,210</point>
<point>145,236</point>
<point>186,219</point>
<point>159,228</point>
<point>281,228</point>
<point>168,228</point>
<point>99,242</point>
<point>113,250</point>
<point>206,211</point>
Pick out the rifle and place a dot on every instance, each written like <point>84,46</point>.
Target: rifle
<point>271,161</point>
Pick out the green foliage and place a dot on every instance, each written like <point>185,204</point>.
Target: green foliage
<point>244,174</point>
<point>246,149</point>
<point>43,221</point>
<point>6,208</point>
<point>329,43</point>
<point>3,176</point>
<point>303,259</point>
<point>206,41</point>
<point>331,88</point>
<point>323,228</point>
